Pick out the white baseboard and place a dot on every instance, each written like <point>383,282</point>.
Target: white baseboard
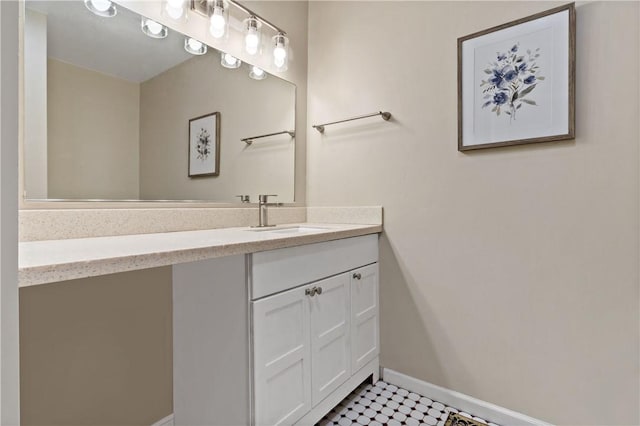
<point>167,421</point>
<point>460,401</point>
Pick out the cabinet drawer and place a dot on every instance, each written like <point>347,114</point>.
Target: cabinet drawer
<point>278,270</point>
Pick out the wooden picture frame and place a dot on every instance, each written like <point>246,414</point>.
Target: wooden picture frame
<point>204,145</point>
<point>516,82</point>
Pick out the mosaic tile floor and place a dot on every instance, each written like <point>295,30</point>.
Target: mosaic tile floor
<point>386,404</point>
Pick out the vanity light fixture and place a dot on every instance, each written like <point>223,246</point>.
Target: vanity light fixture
<point>219,19</point>
<point>229,61</point>
<point>153,29</point>
<point>104,8</point>
<point>174,8</point>
<point>257,73</point>
<point>252,35</point>
<point>195,47</point>
<point>281,51</point>
<point>217,11</point>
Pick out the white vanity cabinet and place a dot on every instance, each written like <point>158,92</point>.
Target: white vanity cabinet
<point>285,346</point>
<point>312,335</point>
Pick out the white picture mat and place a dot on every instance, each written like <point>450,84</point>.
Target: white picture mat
<point>199,166</point>
<point>480,125</point>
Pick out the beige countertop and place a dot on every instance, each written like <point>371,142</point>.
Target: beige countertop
<point>42,262</point>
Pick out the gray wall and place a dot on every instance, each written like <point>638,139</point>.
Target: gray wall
<point>247,108</point>
<point>508,274</point>
<point>97,351</point>
<point>93,128</point>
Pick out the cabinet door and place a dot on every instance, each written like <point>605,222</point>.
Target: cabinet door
<point>282,357</point>
<point>365,335</point>
<point>330,319</point>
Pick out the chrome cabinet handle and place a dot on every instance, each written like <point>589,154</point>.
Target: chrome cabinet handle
<point>313,291</point>
<point>357,276</point>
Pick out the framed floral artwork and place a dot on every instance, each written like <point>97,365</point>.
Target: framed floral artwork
<point>204,145</point>
<point>516,82</point>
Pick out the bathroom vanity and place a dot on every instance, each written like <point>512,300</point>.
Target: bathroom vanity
<point>301,336</point>
<point>271,326</point>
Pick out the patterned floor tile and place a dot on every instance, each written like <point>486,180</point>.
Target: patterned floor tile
<point>386,404</point>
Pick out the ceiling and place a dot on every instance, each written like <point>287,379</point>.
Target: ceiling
<point>115,46</point>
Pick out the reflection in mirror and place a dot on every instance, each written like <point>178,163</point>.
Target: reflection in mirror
<point>107,112</point>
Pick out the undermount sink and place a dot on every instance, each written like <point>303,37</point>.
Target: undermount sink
<point>298,229</point>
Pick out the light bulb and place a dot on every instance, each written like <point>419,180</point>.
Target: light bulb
<point>153,26</point>
<point>216,32</point>
<point>153,29</point>
<point>175,8</point>
<point>252,35</point>
<point>251,42</point>
<point>279,53</point>
<point>195,47</point>
<point>257,73</point>
<point>101,5</point>
<point>104,8</point>
<point>174,12</point>
<point>175,4</point>
<point>194,44</point>
<point>229,59</point>
<point>218,23</point>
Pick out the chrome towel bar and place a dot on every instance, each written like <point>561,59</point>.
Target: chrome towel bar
<point>384,114</point>
<point>250,140</point>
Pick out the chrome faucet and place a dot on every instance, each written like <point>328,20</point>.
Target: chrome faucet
<point>263,221</point>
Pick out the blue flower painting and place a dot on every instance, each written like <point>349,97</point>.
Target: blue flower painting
<point>511,80</point>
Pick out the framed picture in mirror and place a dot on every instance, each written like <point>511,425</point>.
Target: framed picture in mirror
<point>204,145</point>
<point>516,82</point>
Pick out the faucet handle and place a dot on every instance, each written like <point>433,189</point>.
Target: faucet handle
<point>244,198</point>
<point>265,198</point>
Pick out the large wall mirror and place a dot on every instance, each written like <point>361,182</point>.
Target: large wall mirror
<point>107,112</point>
